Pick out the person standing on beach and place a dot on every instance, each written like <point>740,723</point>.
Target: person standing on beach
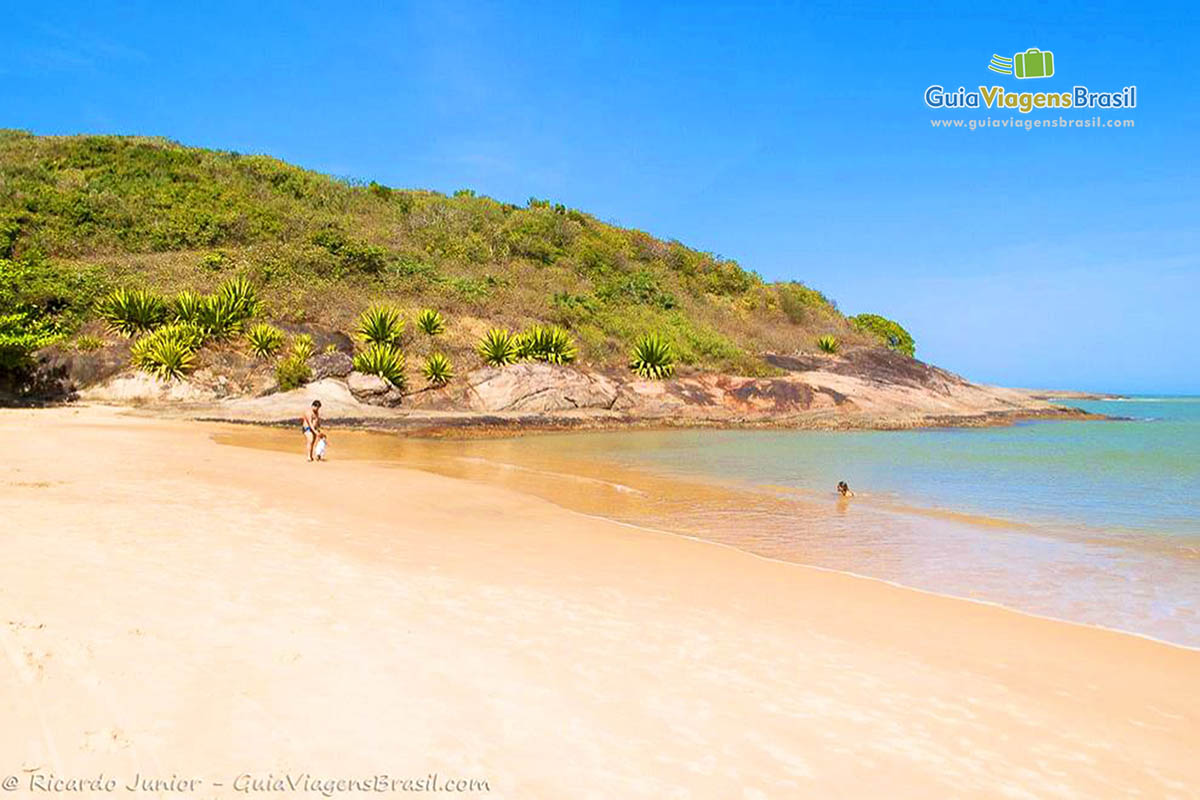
<point>310,423</point>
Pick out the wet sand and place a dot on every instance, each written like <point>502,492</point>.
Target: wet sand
<point>174,606</point>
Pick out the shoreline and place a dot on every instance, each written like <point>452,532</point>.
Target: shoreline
<point>412,620</point>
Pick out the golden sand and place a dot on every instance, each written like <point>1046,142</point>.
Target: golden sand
<point>175,609</point>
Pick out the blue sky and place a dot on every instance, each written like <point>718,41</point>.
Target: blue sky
<point>792,138</point>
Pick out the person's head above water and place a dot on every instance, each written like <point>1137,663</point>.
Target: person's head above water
<point>843,487</point>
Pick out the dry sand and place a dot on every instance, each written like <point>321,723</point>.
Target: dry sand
<point>172,606</point>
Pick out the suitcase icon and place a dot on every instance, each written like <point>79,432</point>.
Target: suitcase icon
<point>1033,63</point>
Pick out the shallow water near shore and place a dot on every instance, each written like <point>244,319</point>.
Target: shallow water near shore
<point>1092,522</point>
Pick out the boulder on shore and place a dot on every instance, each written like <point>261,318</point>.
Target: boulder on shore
<point>373,389</point>
<point>335,364</point>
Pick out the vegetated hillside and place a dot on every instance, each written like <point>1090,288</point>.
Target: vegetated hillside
<point>102,212</point>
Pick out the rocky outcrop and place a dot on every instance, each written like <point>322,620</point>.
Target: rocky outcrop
<point>537,387</point>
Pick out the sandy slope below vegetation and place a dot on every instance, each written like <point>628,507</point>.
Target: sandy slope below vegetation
<point>171,606</point>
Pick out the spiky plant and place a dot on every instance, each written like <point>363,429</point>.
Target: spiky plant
<point>437,369</point>
<point>169,352</point>
<point>220,315</point>
<point>653,357</point>
<point>383,360</point>
<point>302,347</point>
<point>497,348</point>
<point>546,343</point>
<point>132,311</point>
<point>829,343</point>
<point>238,295</point>
<point>431,322</point>
<point>186,306</point>
<point>265,339</point>
<point>85,343</point>
<point>380,324</point>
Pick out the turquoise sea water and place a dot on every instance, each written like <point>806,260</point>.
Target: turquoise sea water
<point>1092,521</point>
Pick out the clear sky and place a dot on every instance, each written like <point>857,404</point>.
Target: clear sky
<point>793,138</point>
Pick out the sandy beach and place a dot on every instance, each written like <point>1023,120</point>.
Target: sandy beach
<point>195,613</point>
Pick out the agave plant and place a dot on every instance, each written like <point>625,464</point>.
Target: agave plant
<point>238,295</point>
<point>653,357</point>
<point>302,347</point>
<point>186,306</point>
<point>132,311</point>
<point>497,348</point>
<point>220,316</point>
<point>828,343</point>
<point>546,343</point>
<point>168,352</point>
<point>383,360</point>
<point>431,322</point>
<point>437,369</point>
<point>265,339</point>
<point>381,324</point>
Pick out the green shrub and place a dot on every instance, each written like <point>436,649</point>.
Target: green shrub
<point>265,339</point>
<point>292,373</point>
<point>497,348</point>
<point>828,343</point>
<point>653,357</point>
<point>213,261</point>
<point>20,337</point>
<point>799,301</point>
<point>431,322</point>
<point>545,343</point>
<point>437,369</point>
<point>40,303</point>
<point>383,360</point>
<point>132,311</point>
<point>892,334</point>
<point>169,351</point>
<point>381,324</point>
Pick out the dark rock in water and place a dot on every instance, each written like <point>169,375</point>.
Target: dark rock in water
<point>373,389</point>
<point>330,365</point>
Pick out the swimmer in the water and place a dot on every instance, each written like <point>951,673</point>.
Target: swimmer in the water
<point>843,489</point>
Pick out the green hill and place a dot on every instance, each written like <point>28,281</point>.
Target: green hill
<point>82,215</point>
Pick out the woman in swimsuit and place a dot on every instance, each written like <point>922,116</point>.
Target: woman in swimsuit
<point>310,424</point>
